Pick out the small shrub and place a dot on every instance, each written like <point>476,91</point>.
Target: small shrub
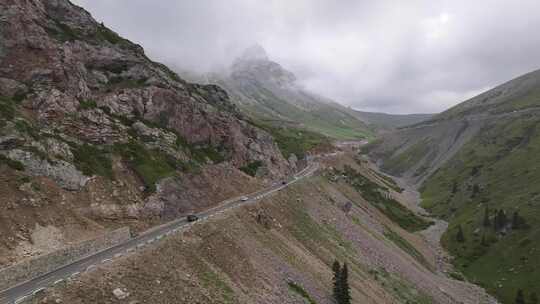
<point>24,127</point>
<point>92,161</point>
<point>372,193</point>
<point>150,166</point>
<point>456,276</point>
<point>300,291</point>
<point>201,154</point>
<point>103,33</point>
<point>13,164</point>
<point>62,32</point>
<point>120,82</point>
<point>7,108</point>
<point>251,168</point>
<point>87,104</point>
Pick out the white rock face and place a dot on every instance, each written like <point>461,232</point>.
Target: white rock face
<point>62,172</point>
<point>120,294</point>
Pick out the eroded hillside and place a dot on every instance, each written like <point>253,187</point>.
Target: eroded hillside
<point>281,251</point>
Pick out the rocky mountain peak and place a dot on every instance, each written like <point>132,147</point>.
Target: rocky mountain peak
<point>255,52</point>
<point>254,65</point>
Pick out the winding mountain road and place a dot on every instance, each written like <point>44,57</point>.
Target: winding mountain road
<point>24,291</point>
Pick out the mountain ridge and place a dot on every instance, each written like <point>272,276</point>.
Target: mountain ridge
<point>475,164</point>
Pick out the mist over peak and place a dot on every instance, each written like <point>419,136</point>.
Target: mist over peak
<point>383,56</point>
<point>254,52</point>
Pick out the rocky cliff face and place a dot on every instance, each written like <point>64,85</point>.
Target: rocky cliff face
<point>57,57</point>
<point>88,114</point>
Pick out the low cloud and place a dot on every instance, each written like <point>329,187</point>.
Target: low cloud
<point>390,56</point>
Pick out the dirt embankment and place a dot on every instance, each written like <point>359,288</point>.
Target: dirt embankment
<point>278,251</point>
<point>38,217</point>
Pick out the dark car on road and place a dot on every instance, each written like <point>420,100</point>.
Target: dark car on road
<point>283,182</point>
<point>192,218</point>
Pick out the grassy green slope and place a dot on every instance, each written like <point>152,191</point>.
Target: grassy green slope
<point>499,169</point>
<point>293,140</point>
<point>324,119</point>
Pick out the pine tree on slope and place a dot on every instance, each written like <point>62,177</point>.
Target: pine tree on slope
<point>345,297</point>
<point>487,222</point>
<point>520,298</point>
<point>336,268</point>
<point>534,298</point>
<point>460,237</point>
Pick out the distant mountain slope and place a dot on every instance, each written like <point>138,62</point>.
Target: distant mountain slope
<point>269,93</point>
<point>479,167</point>
<point>390,121</point>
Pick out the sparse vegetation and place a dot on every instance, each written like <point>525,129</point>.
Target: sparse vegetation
<point>388,181</point>
<point>7,108</point>
<point>212,279</point>
<point>406,246</point>
<point>373,193</point>
<point>201,154</point>
<point>291,140</point>
<point>105,34</point>
<point>25,127</point>
<point>120,82</point>
<point>62,32</point>
<point>150,166</point>
<point>87,104</point>
<point>301,292</point>
<point>13,164</point>
<point>91,160</point>
<point>251,168</point>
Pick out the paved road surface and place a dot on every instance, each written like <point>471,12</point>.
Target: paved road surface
<point>26,290</point>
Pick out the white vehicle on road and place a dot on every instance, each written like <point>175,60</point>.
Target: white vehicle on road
<point>244,198</point>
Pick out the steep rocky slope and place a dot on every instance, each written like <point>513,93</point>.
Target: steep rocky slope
<point>281,251</point>
<point>94,134</point>
<point>478,167</point>
<point>269,93</point>
<point>384,122</point>
<point>418,150</point>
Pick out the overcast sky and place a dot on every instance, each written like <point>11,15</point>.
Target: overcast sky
<point>380,55</point>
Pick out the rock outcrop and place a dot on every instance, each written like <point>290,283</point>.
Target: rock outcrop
<point>100,133</point>
<point>79,78</point>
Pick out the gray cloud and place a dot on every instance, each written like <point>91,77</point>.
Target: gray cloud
<point>385,55</point>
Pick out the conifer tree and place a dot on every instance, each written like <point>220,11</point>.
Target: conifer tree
<point>500,220</point>
<point>454,187</point>
<point>515,220</point>
<point>534,298</point>
<point>520,298</point>
<point>336,268</point>
<point>460,237</point>
<point>487,222</point>
<point>345,297</point>
<point>483,242</point>
<point>495,217</point>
